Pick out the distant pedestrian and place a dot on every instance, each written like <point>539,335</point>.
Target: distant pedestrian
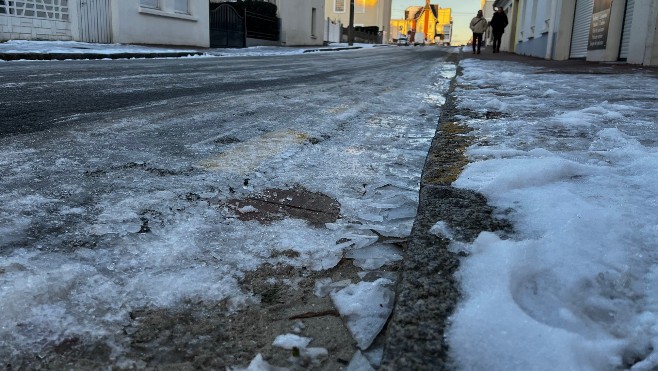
<point>478,26</point>
<point>498,24</point>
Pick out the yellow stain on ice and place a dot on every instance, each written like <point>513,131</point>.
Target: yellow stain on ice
<point>338,109</point>
<point>246,157</point>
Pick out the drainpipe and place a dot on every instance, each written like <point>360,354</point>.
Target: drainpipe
<point>350,29</point>
<point>551,30</point>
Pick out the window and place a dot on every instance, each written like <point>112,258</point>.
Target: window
<point>339,6</point>
<point>314,14</point>
<point>182,6</point>
<point>149,3</point>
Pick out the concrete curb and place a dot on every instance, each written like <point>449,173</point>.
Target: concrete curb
<point>427,292</point>
<point>332,49</point>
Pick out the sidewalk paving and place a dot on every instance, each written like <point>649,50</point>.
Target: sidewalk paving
<point>566,66</point>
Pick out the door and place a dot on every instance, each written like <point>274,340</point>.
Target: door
<point>95,21</point>
<point>581,24</point>
<point>626,32</point>
<point>227,28</point>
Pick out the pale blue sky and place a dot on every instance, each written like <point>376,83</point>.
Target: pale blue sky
<point>462,13</point>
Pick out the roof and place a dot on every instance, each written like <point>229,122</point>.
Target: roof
<point>414,12</point>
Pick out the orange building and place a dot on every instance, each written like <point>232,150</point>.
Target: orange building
<point>429,24</point>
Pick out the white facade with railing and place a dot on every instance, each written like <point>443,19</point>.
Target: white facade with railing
<point>158,22</point>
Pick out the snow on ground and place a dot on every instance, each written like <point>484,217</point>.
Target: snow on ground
<point>573,163</point>
<point>78,47</point>
<point>31,46</point>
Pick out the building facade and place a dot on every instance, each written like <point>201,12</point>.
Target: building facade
<point>367,13</point>
<point>156,22</point>
<point>431,23</point>
<point>594,30</point>
<point>302,22</point>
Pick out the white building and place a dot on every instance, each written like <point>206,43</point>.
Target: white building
<point>302,22</point>
<point>157,22</point>
<point>595,30</point>
<point>151,22</point>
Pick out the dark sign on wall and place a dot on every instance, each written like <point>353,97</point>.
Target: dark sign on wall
<point>598,32</point>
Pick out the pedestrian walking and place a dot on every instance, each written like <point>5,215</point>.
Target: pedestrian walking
<point>498,24</point>
<point>478,26</point>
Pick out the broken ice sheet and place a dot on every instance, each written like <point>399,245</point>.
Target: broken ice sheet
<point>375,256</point>
<point>358,240</point>
<point>359,363</point>
<point>365,308</point>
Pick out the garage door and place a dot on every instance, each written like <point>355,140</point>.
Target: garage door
<point>581,23</point>
<point>626,33</point>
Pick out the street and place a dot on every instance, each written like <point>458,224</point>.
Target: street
<point>38,96</point>
<point>150,206</point>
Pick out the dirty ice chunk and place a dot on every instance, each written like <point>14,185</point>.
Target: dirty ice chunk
<point>375,355</point>
<point>259,364</point>
<point>365,307</point>
<point>313,356</point>
<point>247,209</point>
<point>324,286</point>
<point>374,257</point>
<point>289,341</point>
<point>442,229</point>
<point>359,363</point>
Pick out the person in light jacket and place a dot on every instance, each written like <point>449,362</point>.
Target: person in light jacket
<point>478,26</point>
<point>498,24</point>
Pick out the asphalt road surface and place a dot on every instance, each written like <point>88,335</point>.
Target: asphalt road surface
<point>37,96</point>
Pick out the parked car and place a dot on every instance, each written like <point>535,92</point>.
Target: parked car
<point>402,41</point>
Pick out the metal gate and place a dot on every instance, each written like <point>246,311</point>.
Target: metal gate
<point>581,24</point>
<point>95,21</point>
<point>227,28</point>
<point>626,32</point>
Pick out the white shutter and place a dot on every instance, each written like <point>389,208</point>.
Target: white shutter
<point>581,23</point>
<point>626,33</point>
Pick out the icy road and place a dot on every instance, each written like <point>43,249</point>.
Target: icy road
<point>152,186</point>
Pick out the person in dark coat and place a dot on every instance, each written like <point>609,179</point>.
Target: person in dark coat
<point>498,24</point>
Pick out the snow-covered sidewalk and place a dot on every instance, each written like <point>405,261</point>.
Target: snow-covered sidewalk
<point>572,161</point>
<point>28,49</point>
